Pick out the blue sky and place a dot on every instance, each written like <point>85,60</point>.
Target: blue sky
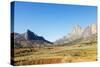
<point>52,21</point>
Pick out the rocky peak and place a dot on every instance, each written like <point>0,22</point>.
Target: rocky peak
<point>94,28</point>
<point>29,35</point>
<point>79,33</point>
<point>29,32</point>
<point>77,30</point>
<point>90,30</point>
<point>30,39</point>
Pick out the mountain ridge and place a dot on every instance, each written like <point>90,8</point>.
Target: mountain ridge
<point>78,33</point>
<point>29,39</point>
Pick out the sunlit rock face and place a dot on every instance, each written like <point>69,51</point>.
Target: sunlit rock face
<point>79,33</point>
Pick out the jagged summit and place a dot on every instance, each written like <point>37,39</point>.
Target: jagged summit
<point>30,32</point>
<point>90,30</point>
<point>29,35</point>
<point>77,29</point>
<point>79,33</point>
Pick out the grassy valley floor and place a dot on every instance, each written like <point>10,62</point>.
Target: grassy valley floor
<point>55,54</point>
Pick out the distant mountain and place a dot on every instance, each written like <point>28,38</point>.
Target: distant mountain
<point>89,31</point>
<point>78,34</point>
<point>29,39</point>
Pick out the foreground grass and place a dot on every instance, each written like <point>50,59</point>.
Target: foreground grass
<point>54,54</point>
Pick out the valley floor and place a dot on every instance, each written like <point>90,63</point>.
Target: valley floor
<point>54,54</point>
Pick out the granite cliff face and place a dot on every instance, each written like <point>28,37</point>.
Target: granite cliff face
<point>79,34</point>
<point>90,30</point>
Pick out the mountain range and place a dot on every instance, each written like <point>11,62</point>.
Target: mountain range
<point>78,33</point>
<point>29,39</point>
